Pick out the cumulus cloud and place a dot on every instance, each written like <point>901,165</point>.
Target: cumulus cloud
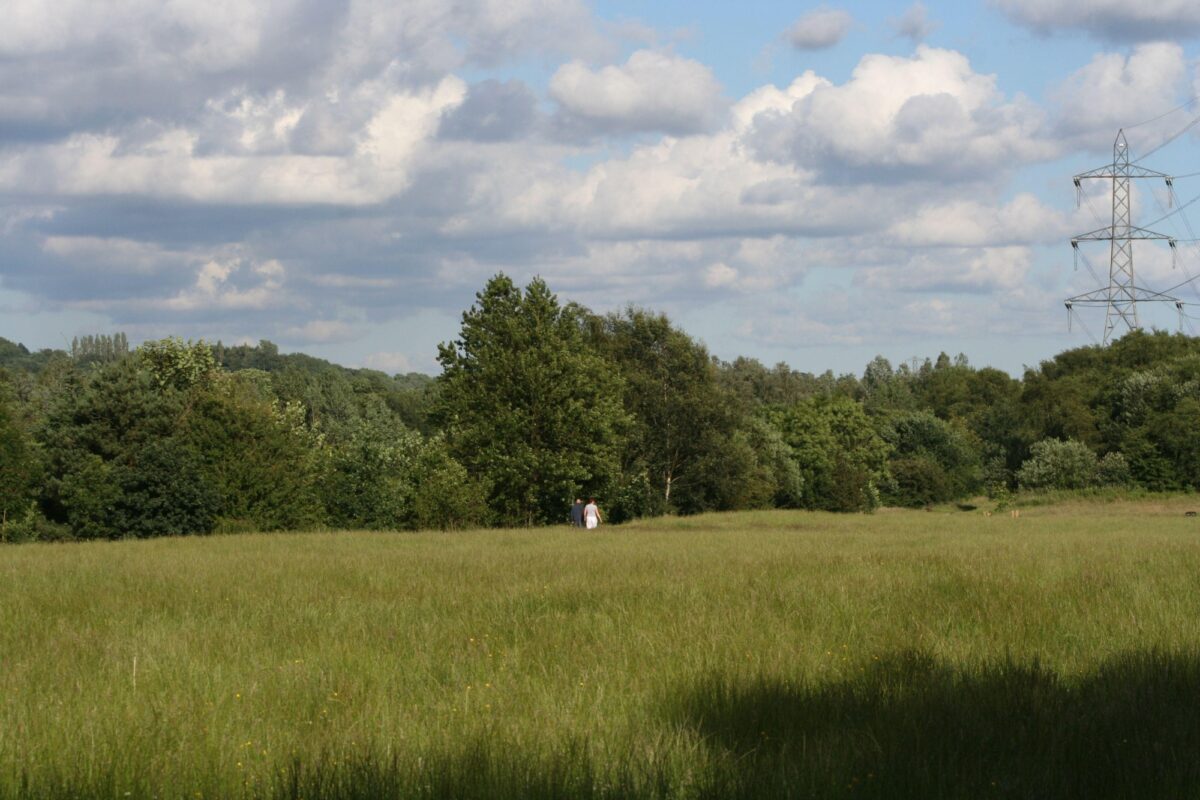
<point>1115,90</point>
<point>972,270</point>
<point>927,114</point>
<point>78,65</point>
<point>170,164</point>
<point>820,28</point>
<point>232,283</point>
<point>328,169</point>
<point>1115,20</point>
<point>971,223</point>
<point>651,91</point>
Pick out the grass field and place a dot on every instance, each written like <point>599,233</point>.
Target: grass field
<point>775,654</point>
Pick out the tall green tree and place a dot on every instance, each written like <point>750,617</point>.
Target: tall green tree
<point>116,464</point>
<point>931,461</point>
<point>686,423</point>
<point>259,456</point>
<point>840,456</point>
<point>18,466</point>
<point>527,406</point>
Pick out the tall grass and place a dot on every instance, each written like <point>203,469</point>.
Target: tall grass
<point>785,654</point>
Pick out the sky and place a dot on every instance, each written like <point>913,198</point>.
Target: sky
<point>814,184</point>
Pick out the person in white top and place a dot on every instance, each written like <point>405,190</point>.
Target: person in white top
<point>591,514</point>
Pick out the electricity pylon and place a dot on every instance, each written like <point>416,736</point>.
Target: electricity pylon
<point>1121,296</point>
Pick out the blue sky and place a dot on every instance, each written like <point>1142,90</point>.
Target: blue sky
<point>809,183</point>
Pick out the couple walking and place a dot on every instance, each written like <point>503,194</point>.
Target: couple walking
<point>585,516</point>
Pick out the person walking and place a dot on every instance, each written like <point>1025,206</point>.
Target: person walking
<point>591,514</point>
<point>577,514</point>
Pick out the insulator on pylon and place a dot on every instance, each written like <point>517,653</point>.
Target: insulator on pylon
<point>1075,251</point>
<point>1068,305</point>
<point>1078,193</point>
<point>1174,253</point>
<point>1170,194</point>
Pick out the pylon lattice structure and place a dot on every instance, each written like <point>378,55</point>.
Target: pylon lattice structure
<point>1121,296</point>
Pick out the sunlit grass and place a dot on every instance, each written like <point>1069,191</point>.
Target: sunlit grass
<point>753,654</point>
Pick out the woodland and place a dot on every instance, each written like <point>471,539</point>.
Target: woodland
<point>541,401</point>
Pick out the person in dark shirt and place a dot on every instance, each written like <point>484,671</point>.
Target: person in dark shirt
<point>577,513</point>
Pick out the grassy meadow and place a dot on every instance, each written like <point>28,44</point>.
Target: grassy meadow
<point>773,654</point>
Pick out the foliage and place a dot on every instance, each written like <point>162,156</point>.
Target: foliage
<point>932,461</point>
<point>368,479</point>
<point>1055,464</point>
<point>93,437</point>
<point>445,496</point>
<point>1113,470</point>
<point>18,463</point>
<point>177,364</point>
<point>163,492</point>
<point>29,525</point>
<point>686,437</point>
<point>840,457</point>
<point>539,403</point>
<point>16,357</point>
<point>526,406</point>
<point>335,397</point>
<point>259,457</point>
<point>99,349</point>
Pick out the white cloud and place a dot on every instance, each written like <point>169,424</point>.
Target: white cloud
<point>953,270</point>
<point>1115,90</point>
<point>1117,20</point>
<point>971,223</point>
<point>231,283</point>
<point>337,188</point>
<point>651,91</point>
<point>929,113</point>
<point>820,28</point>
<point>169,165</point>
<point>772,98</point>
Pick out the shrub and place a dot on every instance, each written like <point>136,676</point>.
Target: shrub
<point>444,496</point>
<point>18,467</point>
<point>919,481</point>
<point>31,526</point>
<point>164,493</point>
<point>1057,464</point>
<point>1113,470</point>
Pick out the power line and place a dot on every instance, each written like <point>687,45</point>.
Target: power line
<point>1194,122</point>
<point>1165,114</point>
<point>1178,209</point>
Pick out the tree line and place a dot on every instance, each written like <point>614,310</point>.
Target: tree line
<point>539,402</point>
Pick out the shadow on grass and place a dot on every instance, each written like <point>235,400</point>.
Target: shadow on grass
<point>909,726</point>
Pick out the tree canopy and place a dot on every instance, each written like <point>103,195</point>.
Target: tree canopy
<point>539,402</point>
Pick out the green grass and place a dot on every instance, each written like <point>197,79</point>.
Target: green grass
<point>774,654</point>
